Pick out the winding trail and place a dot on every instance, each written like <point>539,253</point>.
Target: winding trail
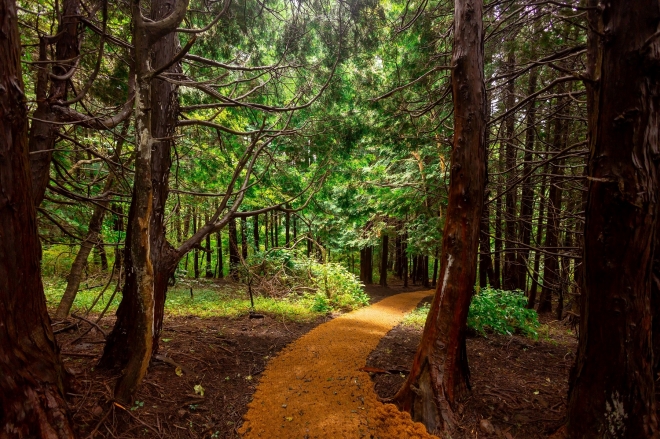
<point>313,388</point>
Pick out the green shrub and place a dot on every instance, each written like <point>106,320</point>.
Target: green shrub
<point>491,310</point>
<point>502,312</point>
<point>286,272</point>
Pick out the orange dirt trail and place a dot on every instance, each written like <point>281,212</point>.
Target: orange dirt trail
<point>313,388</point>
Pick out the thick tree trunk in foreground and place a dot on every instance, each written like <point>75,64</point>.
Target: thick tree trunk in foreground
<point>612,387</point>
<point>383,260</point>
<point>31,374</point>
<point>439,374</point>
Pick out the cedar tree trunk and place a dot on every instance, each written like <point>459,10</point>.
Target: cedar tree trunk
<point>439,373</point>
<point>612,388</point>
<point>31,373</point>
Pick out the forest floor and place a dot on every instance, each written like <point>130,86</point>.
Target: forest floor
<point>210,367</point>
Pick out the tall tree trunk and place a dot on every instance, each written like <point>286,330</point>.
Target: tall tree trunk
<point>31,374</point>
<point>497,259</point>
<point>287,225</point>
<point>93,235</point>
<point>266,232</point>
<point>244,240</point>
<point>118,227</point>
<point>383,260</point>
<point>551,263</point>
<point>612,387</point>
<point>404,261</point>
<point>234,258</point>
<point>527,198</point>
<point>150,258</point>
<point>221,268</point>
<point>486,273</point>
<point>439,373</point>
<point>531,300</point>
<point>255,232</point>
<point>196,251</point>
<point>209,254</point>
<point>509,273</point>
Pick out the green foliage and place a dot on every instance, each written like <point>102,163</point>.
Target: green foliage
<point>286,272</point>
<point>503,312</point>
<point>491,310</point>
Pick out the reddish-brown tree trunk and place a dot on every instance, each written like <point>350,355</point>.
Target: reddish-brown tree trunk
<point>439,373</point>
<point>31,373</point>
<point>612,388</point>
<point>383,260</point>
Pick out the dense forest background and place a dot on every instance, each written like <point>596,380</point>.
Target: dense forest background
<point>296,149</point>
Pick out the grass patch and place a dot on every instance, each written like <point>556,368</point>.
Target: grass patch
<point>208,300</point>
<point>417,317</point>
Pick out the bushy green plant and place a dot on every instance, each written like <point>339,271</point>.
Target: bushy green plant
<point>286,272</point>
<point>503,312</point>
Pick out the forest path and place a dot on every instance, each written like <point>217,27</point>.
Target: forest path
<point>313,388</point>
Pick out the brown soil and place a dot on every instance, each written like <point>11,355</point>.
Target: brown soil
<point>518,384</point>
<point>315,389</point>
<point>225,356</point>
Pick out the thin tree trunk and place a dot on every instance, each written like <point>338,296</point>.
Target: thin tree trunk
<point>287,226</point>
<point>255,232</point>
<point>234,258</point>
<point>209,254</point>
<point>31,373</point>
<point>509,281</point>
<point>531,301</point>
<point>93,233</point>
<point>196,251</point>
<point>527,198</point>
<point>486,273</point>
<point>551,263</point>
<point>612,391</point>
<point>383,260</point>
<point>244,240</point>
<point>221,268</point>
<point>439,374</point>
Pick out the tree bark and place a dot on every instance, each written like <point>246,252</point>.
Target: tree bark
<point>509,273</point>
<point>255,232</point>
<point>439,373</point>
<point>31,374</point>
<point>612,387</point>
<point>221,268</point>
<point>527,197</point>
<point>234,258</point>
<point>244,240</point>
<point>531,298</point>
<point>551,263</point>
<point>209,255</point>
<point>383,260</point>
<point>486,273</point>
<point>151,259</point>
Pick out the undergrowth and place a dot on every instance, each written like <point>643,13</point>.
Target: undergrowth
<point>285,285</point>
<point>491,310</point>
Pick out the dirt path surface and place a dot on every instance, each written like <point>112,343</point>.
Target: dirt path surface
<point>314,389</point>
